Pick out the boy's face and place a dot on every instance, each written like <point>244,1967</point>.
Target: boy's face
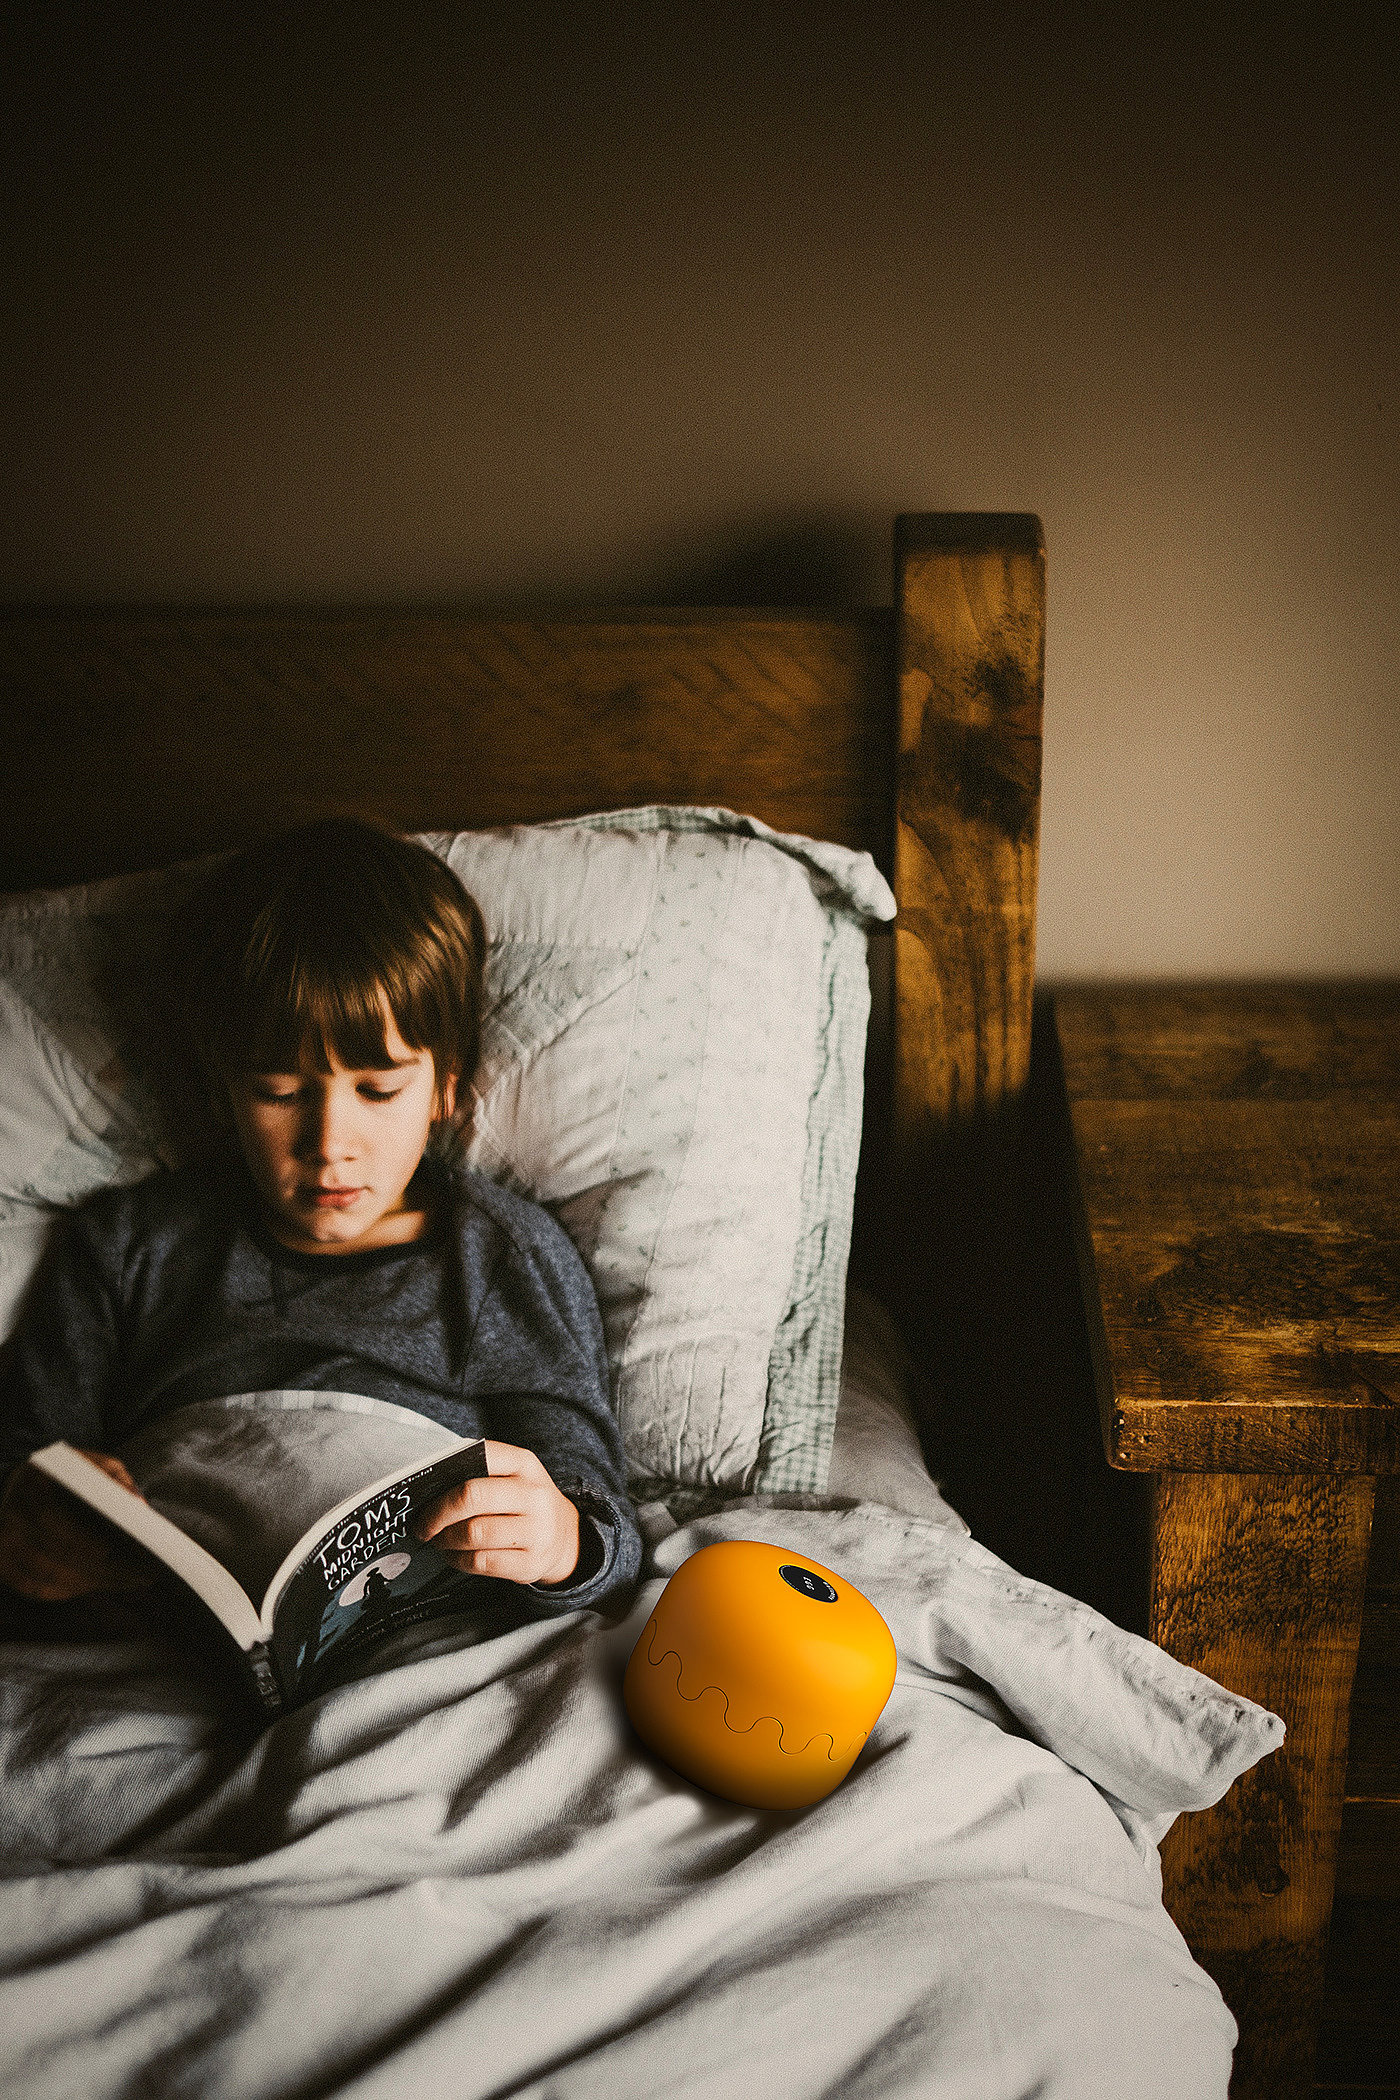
<point>331,1153</point>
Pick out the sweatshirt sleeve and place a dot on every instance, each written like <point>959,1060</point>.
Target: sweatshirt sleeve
<point>58,1368</point>
<point>541,1325</point>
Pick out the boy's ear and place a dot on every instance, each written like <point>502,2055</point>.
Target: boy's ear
<point>452,1118</point>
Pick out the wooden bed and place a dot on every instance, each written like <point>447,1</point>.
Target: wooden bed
<point>139,737</point>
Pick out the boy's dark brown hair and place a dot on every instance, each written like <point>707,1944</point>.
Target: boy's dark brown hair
<point>293,949</point>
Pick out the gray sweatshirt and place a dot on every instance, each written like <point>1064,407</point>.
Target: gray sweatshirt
<point>173,1291</point>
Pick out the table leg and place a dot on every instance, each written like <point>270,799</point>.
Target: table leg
<point>1259,1580</point>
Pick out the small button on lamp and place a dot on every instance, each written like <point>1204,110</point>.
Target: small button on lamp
<point>759,1675</point>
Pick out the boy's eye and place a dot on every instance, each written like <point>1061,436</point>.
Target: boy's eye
<point>290,1090</point>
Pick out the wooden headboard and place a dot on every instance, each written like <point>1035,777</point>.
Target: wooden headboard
<point>138,737</point>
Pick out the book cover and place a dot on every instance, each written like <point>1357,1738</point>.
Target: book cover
<point>356,1575</point>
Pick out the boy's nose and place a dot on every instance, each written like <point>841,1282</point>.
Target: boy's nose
<point>326,1134</point>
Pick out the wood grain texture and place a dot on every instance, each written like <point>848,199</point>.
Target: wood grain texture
<point>970,650</point>
<point>1238,1152</point>
<point>138,738</point>
<point>1259,1580</point>
<point>1264,1041</point>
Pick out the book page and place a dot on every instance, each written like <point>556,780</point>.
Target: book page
<point>207,1577</point>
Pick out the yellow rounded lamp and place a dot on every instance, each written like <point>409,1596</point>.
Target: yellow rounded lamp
<point>760,1674</point>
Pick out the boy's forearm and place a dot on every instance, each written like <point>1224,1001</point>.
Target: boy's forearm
<point>577,1440</point>
<point>608,1534</point>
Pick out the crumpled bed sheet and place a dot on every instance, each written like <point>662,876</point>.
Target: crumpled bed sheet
<point>464,1875</point>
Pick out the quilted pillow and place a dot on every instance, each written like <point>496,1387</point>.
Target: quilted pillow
<point>671,1060</point>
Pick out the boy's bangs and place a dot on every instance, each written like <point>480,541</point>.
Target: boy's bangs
<point>318,1018</point>
<point>306,953</point>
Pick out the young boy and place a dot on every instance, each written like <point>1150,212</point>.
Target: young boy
<point>333,984</point>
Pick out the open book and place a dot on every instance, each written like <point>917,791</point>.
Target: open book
<point>357,1574</point>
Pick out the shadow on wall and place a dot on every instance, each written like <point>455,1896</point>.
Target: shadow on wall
<point>811,562</point>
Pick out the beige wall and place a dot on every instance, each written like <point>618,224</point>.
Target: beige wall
<point>641,314</point>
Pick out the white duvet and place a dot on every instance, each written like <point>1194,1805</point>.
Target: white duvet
<point>463,1875</point>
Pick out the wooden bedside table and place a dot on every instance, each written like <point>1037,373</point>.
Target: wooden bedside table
<point>1238,1151</point>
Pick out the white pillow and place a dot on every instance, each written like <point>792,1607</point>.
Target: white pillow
<point>671,1060</point>
<point>75,968</point>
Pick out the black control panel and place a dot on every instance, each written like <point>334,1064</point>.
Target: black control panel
<point>807,1584</point>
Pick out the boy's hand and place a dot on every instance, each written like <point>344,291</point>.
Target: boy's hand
<point>515,1523</point>
<point>54,1548</point>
